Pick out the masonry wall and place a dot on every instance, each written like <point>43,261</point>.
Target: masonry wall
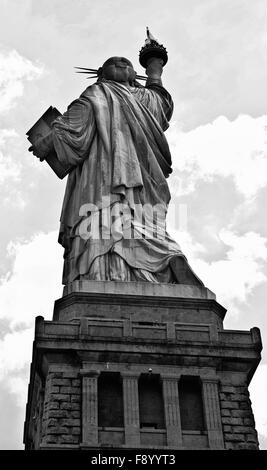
<point>237,417</point>
<point>62,408</point>
<point>58,420</point>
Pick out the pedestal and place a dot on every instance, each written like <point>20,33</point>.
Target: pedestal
<point>128,331</point>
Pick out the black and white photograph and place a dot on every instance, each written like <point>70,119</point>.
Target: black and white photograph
<point>133,241</point>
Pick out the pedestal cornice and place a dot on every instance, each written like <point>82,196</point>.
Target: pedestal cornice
<point>161,299</point>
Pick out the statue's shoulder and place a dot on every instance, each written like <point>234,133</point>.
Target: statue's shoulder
<point>91,93</point>
<point>91,90</point>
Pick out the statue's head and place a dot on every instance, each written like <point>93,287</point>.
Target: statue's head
<point>118,69</point>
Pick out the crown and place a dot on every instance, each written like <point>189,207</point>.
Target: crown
<point>152,48</point>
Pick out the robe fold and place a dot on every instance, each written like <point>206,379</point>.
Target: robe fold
<point>116,199</point>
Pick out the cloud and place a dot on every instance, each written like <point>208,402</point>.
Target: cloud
<point>18,386</point>
<point>218,64</point>
<point>222,148</point>
<point>14,71</point>
<point>35,281</point>
<point>8,167</point>
<point>15,353</point>
<point>12,419</point>
<point>234,277</point>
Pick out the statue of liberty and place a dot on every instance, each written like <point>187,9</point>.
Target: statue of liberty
<point>111,143</point>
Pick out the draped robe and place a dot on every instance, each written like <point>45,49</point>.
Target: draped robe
<point>113,138</point>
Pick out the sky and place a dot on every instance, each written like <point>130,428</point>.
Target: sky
<point>217,75</point>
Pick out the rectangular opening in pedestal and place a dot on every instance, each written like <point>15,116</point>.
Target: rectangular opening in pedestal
<point>191,404</point>
<point>110,400</point>
<point>151,406</point>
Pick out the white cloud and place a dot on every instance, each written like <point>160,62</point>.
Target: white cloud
<point>223,148</point>
<point>249,246</point>
<point>189,247</point>
<point>234,277</point>
<point>15,353</point>
<point>35,281</point>
<point>30,290</point>
<point>8,168</point>
<point>14,199</point>
<point>15,356</point>
<point>14,70</point>
<point>19,387</point>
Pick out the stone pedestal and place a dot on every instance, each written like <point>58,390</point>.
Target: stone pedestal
<point>131,330</point>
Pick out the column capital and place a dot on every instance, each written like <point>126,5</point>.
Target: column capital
<point>89,373</point>
<point>209,379</point>
<point>129,374</point>
<point>170,377</point>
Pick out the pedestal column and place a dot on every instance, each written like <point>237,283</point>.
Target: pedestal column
<point>131,409</point>
<point>172,410</point>
<point>212,413</point>
<point>89,408</point>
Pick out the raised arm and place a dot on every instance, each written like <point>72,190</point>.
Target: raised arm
<point>154,96</point>
<point>154,71</point>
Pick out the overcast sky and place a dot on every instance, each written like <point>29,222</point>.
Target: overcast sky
<point>217,75</point>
